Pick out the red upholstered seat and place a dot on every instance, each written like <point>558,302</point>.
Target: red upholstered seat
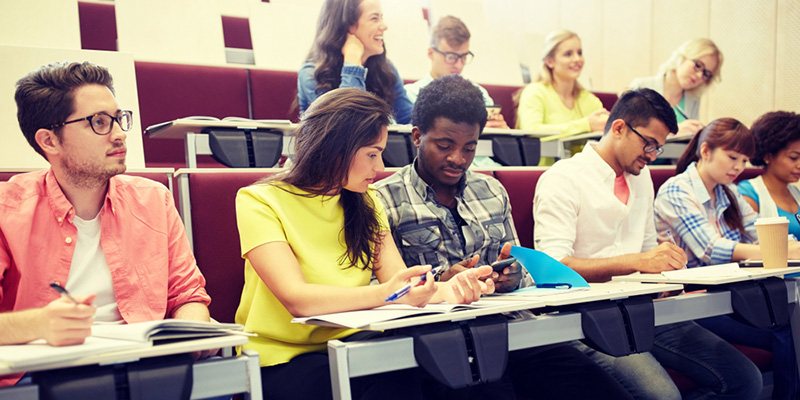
<point>274,93</point>
<point>216,237</point>
<point>503,96</point>
<point>520,185</point>
<point>608,99</point>
<point>172,91</point>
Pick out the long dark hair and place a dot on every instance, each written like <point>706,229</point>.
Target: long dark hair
<point>335,20</point>
<point>332,130</point>
<point>728,134</point>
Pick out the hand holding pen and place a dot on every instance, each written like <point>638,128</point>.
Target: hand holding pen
<point>66,320</point>
<point>407,288</point>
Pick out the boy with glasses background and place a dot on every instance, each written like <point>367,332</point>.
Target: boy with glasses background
<point>449,54</point>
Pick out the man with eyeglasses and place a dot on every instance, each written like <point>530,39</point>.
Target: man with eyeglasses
<point>114,241</point>
<point>449,53</point>
<point>594,213</point>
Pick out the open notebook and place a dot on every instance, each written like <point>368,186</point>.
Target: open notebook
<point>108,338</point>
<point>366,318</point>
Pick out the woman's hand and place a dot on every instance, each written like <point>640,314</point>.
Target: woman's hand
<point>353,50</point>
<point>690,126</point>
<point>466,288</point>
<point>597,120</point>
<point>419,295</point>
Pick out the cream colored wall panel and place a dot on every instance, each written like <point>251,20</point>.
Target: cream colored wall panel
<point>43,23</point>
<point>15,151</point>
<point>745,32</point>
<point>407,38</point>
<point>585,17</point>
<point>235,8</point>
<point>179,31</point>
<point>496,59</point>
<point>283,33</point>
<point>469,11</point>
<point>787,74</point>
<point>675,22</point>
<point>626,42</point>
<point>539,17</point>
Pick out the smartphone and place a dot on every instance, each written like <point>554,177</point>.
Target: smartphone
<point>492,112</point>
<point>499,266</point>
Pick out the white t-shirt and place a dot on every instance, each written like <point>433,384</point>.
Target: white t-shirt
<point>89,271</point>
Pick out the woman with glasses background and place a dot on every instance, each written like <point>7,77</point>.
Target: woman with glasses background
<point>556,101</point>
<point>349,52</point>
<point>683,78</point>
<point>701,210</point>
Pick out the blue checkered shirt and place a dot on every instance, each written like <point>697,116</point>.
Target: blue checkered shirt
<point>426,232</point>
<point>684,210</point>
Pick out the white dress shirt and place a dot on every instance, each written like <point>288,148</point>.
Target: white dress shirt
<point>576,213</point>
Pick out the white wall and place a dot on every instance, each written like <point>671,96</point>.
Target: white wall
<point>15,151</point>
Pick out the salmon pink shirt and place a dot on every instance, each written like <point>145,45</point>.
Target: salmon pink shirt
<point>152,268</point>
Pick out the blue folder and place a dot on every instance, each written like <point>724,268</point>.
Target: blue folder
<point>546,271</point>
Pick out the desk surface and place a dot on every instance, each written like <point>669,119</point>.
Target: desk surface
<point>135,353</point>
<point>178,128</point>
<point>751,274</point>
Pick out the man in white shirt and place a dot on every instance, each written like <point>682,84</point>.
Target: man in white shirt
<point>594,213</point>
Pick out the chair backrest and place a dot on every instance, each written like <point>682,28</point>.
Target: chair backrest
<point>521,185</point>
<point>171,91</point>
<point>214,235</point>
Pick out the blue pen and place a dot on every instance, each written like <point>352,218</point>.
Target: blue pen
<point>554,285</point>
<point>405,289</point>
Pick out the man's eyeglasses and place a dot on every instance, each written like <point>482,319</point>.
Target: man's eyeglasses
<point>649,145</point>
<point>452,58</point>
<point>699,66</point>
<point>102,123</point>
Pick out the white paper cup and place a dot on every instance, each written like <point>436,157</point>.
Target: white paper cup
<point>773,239</point>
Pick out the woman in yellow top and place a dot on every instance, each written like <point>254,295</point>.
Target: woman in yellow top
<point>556,101</point>
<point>312,239</point>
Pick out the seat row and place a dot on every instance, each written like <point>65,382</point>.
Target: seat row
<point>206,201</point>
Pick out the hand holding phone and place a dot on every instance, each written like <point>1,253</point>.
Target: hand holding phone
<point>500,265</point>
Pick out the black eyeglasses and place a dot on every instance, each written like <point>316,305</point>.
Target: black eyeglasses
<point>452,58</point>
<point>649,145</point>
<point>102,123</point>
<point>699,66</point>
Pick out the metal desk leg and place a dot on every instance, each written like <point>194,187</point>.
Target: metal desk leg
<point>253,376</point>
<point>340,370</point>
<point>191,150</point>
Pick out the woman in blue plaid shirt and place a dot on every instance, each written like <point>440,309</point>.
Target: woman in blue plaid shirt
<point>703,212</point>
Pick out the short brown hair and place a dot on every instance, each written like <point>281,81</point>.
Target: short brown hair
<point>451,29</point>
<point>45,97</point>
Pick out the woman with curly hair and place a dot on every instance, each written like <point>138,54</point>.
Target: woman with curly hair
<point>773,193</point>
<point>349,52</point>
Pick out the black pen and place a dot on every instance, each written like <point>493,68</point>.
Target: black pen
<point>58,288</point>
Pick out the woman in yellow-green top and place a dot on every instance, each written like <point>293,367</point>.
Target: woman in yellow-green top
<point>556,101</point>
<point>313,237</point>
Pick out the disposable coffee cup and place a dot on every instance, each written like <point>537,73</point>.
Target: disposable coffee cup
<point>773,239</point>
